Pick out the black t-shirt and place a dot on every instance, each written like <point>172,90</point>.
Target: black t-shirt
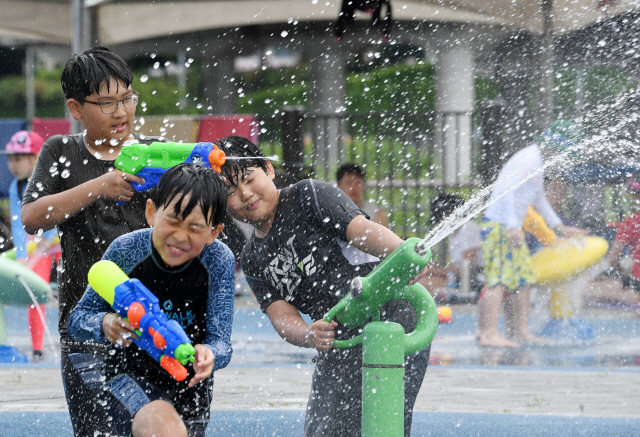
<point>305,258</point>
<point>64,163</point>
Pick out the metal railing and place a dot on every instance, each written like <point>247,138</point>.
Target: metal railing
<point>403,154</point>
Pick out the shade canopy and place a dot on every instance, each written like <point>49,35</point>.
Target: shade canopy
<point>124,21</point>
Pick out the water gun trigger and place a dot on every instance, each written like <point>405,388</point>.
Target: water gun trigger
<point>217,158</point>
<point>174,368</point>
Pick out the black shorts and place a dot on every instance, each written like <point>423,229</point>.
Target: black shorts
<point>82,376</point>
<point>99,408</point>
<point>124,395</point>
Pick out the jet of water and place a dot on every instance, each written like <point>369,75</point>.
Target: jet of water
<point>482,200</point>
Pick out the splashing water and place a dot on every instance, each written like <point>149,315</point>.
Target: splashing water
<point>41,315</point>
<point>482,200</point>
<point>238,158</point>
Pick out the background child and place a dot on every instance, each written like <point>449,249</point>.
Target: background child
<point>351,179</point>
<point>507,259</point>
<point>22,151</point>
<point>193,278</point>
<point>74,187</point>
<point>310,241</point>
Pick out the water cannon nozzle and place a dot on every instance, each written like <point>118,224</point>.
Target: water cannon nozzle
<point>356,288</point>
<point>421,248</point>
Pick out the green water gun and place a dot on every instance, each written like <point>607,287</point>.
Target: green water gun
<point>151,161</point>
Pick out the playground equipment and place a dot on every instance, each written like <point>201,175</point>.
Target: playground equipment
<point>163,339</point>
<point>385,344</point>
<point>556,264</point>
<point>18,286</point>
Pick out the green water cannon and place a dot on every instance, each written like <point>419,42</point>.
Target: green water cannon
<point>385,344</point>
<point>388,281</point>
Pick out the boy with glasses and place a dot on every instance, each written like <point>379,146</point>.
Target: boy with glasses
<point>75,187</point>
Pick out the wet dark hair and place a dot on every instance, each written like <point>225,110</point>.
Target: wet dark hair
<point>346,169</point>
<point>201,183</point>
<point>443,205</point>
<point>239,146</point>
<point>83,74</point>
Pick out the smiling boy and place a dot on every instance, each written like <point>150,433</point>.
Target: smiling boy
<point>310,241</point>
<point>193,278</point>
<point>74,187</point>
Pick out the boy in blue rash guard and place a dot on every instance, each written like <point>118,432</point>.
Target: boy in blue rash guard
<point>192,275</point>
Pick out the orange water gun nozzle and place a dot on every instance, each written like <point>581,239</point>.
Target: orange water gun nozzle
<point>217,158</point>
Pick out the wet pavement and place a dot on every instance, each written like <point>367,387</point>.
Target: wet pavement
<point>465,383</point>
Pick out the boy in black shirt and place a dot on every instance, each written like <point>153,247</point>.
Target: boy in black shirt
<point>74,187</point>
<point>193,278</point>
<point>310,241</point>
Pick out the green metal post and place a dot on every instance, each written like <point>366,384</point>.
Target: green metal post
<point>383,380</point>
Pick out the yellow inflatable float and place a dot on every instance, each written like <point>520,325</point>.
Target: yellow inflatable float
<point>559,261</point>
<point>567,258</point>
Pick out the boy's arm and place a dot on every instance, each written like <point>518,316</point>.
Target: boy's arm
<point>371,237</point>
<point>49,211</point>
<point>85,321</point>
<point>290,325</point>
<point>220,308</point>
<point>17,231</point>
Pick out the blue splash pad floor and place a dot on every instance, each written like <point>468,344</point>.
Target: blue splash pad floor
<point>287,423</point>
<point>617,342</point>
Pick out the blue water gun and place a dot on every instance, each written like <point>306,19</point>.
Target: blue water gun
<point>163,339</point>
<point>151,161</point>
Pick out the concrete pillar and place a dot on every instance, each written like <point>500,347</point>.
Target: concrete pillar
<point>513,74</point>
<point>544,67</point>
<point>327,99</point>
<point>220,90</point>
<point>455,96</point>
<point>30,72</point>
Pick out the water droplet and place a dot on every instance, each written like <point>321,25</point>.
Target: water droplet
<point>65,173</point>
<point>114,142</point>
<point>144,78</point>
<point>65,140</point>
<point>98,155</point>
<point>50,207</point>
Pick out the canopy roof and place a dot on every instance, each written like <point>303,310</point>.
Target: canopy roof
<point>122,21</point>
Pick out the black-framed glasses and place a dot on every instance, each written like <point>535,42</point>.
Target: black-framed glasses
<point>110,106</point>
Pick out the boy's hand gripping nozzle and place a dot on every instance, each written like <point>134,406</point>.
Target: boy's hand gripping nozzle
<point>163,339</point>
<point>388,281</point>
<point>152,161</point>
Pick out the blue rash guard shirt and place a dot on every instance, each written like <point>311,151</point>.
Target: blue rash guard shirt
<point>197,294</point>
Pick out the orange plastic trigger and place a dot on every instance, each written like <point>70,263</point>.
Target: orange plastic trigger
<point>173,366</point>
